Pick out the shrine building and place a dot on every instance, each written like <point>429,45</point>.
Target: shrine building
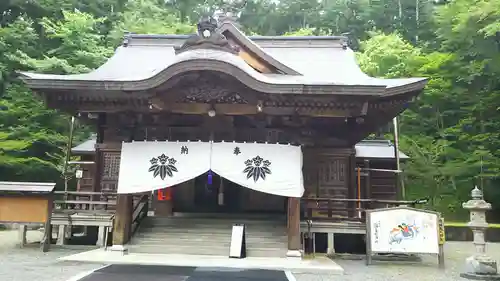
<point>226,128</point>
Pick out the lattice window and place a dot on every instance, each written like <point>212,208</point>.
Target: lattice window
<point>111,165</point>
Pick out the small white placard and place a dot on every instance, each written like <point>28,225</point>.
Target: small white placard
<point>236,241</point>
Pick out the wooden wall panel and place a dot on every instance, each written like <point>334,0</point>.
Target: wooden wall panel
<point>183,196</point>
<point>327,174</point>
<point>23,209</point>
<point>383,184</point>
<point>378,184</point>
<point>333,181</point>
<point>87,180</point>
<point>259,201</point>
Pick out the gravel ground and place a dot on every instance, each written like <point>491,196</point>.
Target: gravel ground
<point>30,264</point>
<point>427,270</point>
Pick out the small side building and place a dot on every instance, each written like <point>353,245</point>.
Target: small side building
<point>378,165</point>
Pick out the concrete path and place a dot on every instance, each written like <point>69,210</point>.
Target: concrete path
<point>320,264</point>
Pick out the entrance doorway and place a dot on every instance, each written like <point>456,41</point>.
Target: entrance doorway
<point>219,196</point>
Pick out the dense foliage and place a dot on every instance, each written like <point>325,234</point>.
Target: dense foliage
<point>451,132</point>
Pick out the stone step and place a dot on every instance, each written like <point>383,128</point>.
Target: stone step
<point>228,227</point>
<point>212,250</point>
<point>206,234</point>
<point>187,250</point>
<point>207,237</point>
<point>160,240</point>
<point>210,224</point>
<point>213,226</point>
<point>228,216</point>
<point>155,241</point>
<point>235,220</point>
<point>209,232</point>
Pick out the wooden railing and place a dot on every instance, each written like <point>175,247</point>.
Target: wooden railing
<point>140,211</point>
<point>84,201</point>
<point>341,209</point>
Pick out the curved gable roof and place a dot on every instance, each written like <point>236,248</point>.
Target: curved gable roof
<point>307,64</point>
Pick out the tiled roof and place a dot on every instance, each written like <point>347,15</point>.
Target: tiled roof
<point>308,60</point>
<point>41,187</point>
<point>377,149</point>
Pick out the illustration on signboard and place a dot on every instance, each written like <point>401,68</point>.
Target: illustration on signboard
<point>403,232</point>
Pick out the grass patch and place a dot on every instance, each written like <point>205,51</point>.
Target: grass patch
<point>464,224</point>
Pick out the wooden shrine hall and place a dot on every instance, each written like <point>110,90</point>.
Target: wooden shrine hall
<point>269,122</point>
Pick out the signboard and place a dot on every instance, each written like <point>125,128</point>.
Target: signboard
<point>402,230</point>
<point>79,174</point>
<point>442,234</point>
<point>237,249</point>
<point>164,194</point>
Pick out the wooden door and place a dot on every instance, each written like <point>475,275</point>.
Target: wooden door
<point>333,182</point>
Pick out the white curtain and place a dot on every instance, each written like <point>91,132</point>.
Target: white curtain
<point>269,168</point>
<point>148,166</point>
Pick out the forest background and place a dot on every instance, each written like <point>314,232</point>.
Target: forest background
<point>451,132</point>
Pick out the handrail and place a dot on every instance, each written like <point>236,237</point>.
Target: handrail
<point>84,201</point>
<point>330,210</point>
<point>85,193</point>
<point>382,201</point>
<point>139,212</point>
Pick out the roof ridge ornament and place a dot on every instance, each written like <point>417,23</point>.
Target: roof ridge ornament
<point>208,37</point>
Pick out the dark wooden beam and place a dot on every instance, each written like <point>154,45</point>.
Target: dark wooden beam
<point>98,167</point>
<point>222,109</point>
<point>293,224</point>
<point>123,219</point>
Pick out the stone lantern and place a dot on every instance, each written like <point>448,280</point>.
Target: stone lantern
<point>479,266</point>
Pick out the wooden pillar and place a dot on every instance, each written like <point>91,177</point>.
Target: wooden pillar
<point>368,186</point>
<point>98,167</point>
<point>22,235</point>
<point>61,235</point>
<point>123,221</point>
<point>353,185</point>
<point>294,249</point>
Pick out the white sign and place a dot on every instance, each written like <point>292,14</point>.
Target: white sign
<point>403,230</point>
<point>79,174</point>
<point>236,241</point>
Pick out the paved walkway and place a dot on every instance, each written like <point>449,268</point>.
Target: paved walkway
<point>320,264</point>
<point>30,264</point>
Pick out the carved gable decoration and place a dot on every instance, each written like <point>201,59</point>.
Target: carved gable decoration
<point>208,92</point>
<point>207,38</point>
